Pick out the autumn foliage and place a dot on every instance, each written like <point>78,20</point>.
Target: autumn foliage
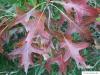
<point>39,33</point>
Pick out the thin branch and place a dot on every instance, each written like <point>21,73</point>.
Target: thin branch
<point>96,64</point>
<point>49,17</point>
<point>42,14</point>
<point>4,28</point>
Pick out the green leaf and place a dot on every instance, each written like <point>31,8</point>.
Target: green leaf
<point>64,26</point>
<point>32,2</point>
<point>76,36</point>
<point>21,4</point>
<point>56,13</point>
<point>98,19</point>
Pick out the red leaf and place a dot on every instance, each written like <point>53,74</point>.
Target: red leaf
<point>73,51</point>
<point>25,53</point>
<point>98,10</point>
<point>81,8</point>
<point>34,27</point>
